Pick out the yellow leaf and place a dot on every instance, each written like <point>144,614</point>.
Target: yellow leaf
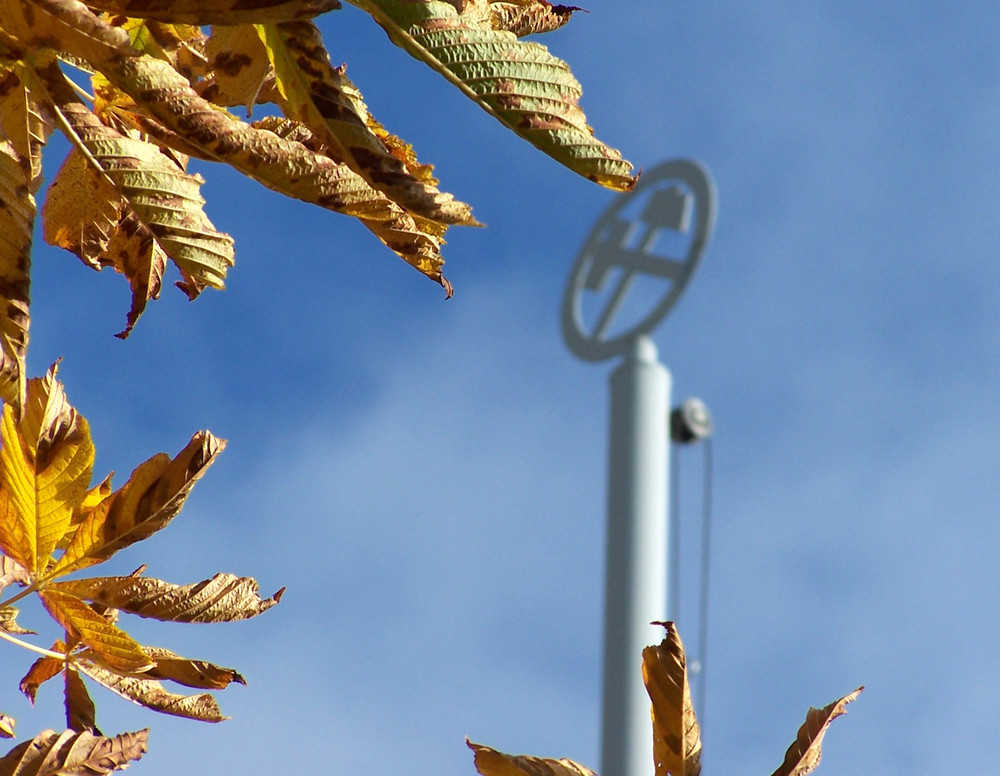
<point>6,726</point>
<point>325,100</point>
<point>71,754</point>
<point>240,72</point>
<point>223,598</point>
<point>676,737</point>
<point>150,693</point>
<point>115,648</point>
<point>804,753</point>
<point>490,762</point>
<point>47,459</point>
<point>152,497</point>
<point>22,123</point>
<point>17,216</point>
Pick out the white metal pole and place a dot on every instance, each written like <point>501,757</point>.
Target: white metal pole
<point>636,582</point>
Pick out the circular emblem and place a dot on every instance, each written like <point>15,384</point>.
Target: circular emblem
<point>637,260</point>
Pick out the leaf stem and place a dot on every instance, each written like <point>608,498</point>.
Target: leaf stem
<point>40,650</point>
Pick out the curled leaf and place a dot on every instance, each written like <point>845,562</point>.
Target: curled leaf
<point>804,754</point>
<point>150,693</point>
<point>6,726</point>
<point>40,672</point>
<point>223,598</point>
<point>8,621</point>
<point>491,762</point>
<point>676,737</point>
<point>199,674</point>
<point>17,217</point>
<point>227,12</point>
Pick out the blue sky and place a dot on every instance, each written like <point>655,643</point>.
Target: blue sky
<point>427,477</point>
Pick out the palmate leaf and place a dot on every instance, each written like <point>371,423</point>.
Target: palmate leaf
<point>151,498</point>
<point>164,198</point>
<point>223,598</point>
<point>490,762</point>
<point>676,737</point>
<point>47,460</point>
<point>17,217</point>
<point>176,116</point>
<point>803,755</point>
<point>518,82</point>
<point>325,100</point>
<point>73,753</point>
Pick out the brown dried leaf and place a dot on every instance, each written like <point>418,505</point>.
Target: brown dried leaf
<point>152,497</point>
<point>40,672</point>
<point>17,217</point>
<point>490,762</point>
<point>8,621</point>
<point>217,11</point>
<point>325,100</point>
<point>529,17</point>
<point>676,737</point>
<point>12,573</point>
<point>81,714</point>
<point>6,726</point>
<point>198,674</point>
<point>114,646</point>
<point>150,693</point>
<point>223,598</point>
<point>73,754</point>
<point>804,754</point>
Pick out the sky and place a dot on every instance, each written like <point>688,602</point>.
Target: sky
<point>427,477</point>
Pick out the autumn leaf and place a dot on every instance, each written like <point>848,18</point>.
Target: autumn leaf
<point>81,714</point>
<point>490,762</point>
<point>8,621</point>
<point>223,598</point>
<point>6,726</point>
<point>112,645</point>
<point>519,83</point>
<point>73,753</point>
<point>529,17</point>
<point>804,754</point>
<point>153,496</point>
<point>676,737</point>
<point>164,198</point>
<point>151,694</point>
<point>17,217</point>
<point>324,99</point>
<point>12,573</point>
<point>239,71</point>
<point>198,674</point>
<point>47,458</point>
<point>227,12</point>
<point>23,124</point>
<point>39,673</point>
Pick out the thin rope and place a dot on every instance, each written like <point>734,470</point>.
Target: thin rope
<point>706,539</point>
<point>674,609</point>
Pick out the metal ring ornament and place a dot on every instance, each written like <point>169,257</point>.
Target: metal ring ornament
<point>604,250</point>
